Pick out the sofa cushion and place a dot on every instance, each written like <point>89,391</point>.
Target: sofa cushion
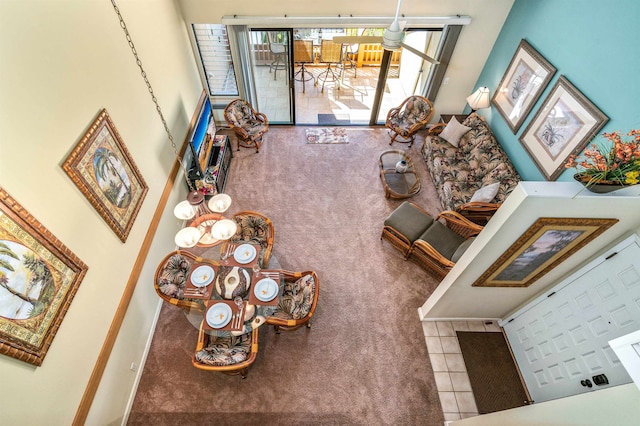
<point>486,194</point>
<point>454,131</point>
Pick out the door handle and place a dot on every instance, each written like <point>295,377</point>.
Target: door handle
<point>586,383</point>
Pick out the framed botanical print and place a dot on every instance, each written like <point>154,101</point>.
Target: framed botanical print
<point>546,244</point>
<point>522,84</point>
<point>39,277</point>
<point>564,125</point>
<point>102,168</point>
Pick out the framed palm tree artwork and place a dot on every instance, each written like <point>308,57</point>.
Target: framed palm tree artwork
<point>102,168</point>
<point>39,277</point>
<point>522,84</point>
<point>564,125</point>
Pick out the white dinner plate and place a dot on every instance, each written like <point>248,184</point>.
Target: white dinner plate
<point>202,276</point>
<point>244,253</point>
<point>219,315</point>
<point>265,289</point>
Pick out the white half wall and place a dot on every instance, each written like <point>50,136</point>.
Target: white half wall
<point>456,298</point>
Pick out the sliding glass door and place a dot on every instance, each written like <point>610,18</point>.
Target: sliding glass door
<point>272,67</point>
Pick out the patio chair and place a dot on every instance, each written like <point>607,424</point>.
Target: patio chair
<point>330,54</point>
<point>256,228</point>
<point>230,355</point>
<point>303,54</point>
<point>407,119</point>
<point>279,52</point>
<point>298,302</point>
<point>248,124</point>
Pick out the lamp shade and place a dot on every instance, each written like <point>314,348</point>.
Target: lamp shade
<point>224,229</point>
<point>219,203</point>
<point>187,237</point>
<point>184,210</point>
<point>479,99</point>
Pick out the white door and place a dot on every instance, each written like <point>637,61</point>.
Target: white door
<point>560,343</point>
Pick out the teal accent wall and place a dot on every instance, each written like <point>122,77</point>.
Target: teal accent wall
<point>595,44</point>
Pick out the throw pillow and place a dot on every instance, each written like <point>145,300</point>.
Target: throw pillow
<point>454,131</point>
<point>486,193</point>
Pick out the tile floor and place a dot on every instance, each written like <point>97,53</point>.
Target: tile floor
<point>452,381</point>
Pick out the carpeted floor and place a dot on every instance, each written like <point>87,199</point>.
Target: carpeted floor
<point>364,361</point>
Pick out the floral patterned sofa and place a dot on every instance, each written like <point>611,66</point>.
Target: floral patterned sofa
<point>460,172</point>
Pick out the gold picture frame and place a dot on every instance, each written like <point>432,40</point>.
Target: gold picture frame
<point>102,168</point>
<point>39,276</point>
<point>546,244</point>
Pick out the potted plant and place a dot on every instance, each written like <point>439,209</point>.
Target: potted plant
<point>609,164</point>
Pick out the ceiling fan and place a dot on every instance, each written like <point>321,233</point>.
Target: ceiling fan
<point>391,40</point>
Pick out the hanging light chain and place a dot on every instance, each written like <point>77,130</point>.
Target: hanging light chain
<point>123,25</point>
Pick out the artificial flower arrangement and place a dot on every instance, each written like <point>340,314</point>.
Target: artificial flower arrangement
<point>614,160</point>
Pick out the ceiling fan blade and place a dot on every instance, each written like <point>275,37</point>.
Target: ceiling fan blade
<point>421,54</point>
<point>357,39</point>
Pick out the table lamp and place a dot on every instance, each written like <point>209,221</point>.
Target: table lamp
<point>479,99</point>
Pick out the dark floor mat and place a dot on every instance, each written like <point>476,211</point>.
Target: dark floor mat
<point>492,371</point>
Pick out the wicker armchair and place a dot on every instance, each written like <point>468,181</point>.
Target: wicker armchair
<point>441,246</point>
<point>256,228</point>
<point>248,124</point>
<point>231,355</point>
<point>298,301</point>
<point>405,120</point>
<point>171,277</point>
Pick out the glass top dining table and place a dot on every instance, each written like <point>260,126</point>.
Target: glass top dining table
<point>234,294</point>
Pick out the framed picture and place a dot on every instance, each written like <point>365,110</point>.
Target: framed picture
<point>102,168</point>
<point>546,244</point>
<point>522,84</point>
<point>564,125</point>
<point>39,277</point>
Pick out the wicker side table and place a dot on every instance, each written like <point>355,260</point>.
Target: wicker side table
<point>397,184</point>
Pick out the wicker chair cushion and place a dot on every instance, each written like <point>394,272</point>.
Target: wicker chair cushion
<point>461,249</point>
<point>241,115</point>
<point>174,275</point>
<point>409,221</point>
<point>415,111</point>
<point>443,239</point>
<point>225,350</point>
<point>252,229</point>
<point>297,298</point>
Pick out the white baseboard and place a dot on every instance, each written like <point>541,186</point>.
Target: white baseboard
<point>143,361</point>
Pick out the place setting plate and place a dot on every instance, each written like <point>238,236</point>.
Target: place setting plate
<point>265,289</point>
<point>244,253</point>
<point>202,276</point>
<point>218,315</point>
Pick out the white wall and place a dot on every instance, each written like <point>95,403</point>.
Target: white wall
<point>613,406</point>
<point>471,52</point>
<point>60,63</point>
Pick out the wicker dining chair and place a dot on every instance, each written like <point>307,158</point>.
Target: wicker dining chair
<point>171,277</point>
<point>407,119</point>
<point>248,124</point>
<point>440,246</point>
<point>255,228</point>
<point>230,355</point>
<point>298,301</point>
